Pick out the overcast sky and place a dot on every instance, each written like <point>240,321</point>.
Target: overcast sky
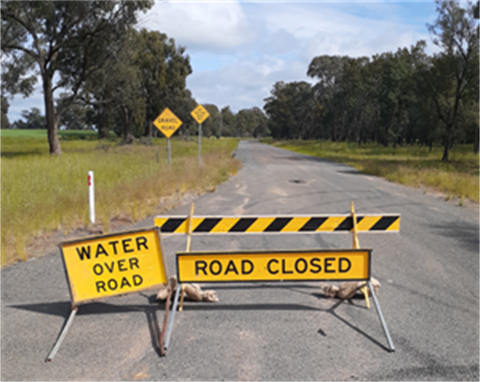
<point>239,49</point>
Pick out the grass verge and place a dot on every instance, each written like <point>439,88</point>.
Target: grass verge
<point>409,165</point>
<point>43,193</point>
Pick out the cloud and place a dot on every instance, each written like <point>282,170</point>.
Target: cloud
<point>210,26</point>
<point>244,84</point>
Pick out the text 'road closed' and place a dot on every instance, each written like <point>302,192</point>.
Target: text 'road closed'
<point>317,265</point>
<point>114,264</point>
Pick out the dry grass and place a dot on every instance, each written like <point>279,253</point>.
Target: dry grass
<point>412,166</point>
<point>43,193</point>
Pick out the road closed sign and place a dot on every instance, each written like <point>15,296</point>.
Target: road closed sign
<point>247,266</point>
<point>109,265</point>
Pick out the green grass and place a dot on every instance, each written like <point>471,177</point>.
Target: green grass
<point>43,193</point>
<point>409,165</point>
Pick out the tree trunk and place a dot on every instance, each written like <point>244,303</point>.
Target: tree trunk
<point>446,146</point>
<point>475,143</point>
<point>51,118</point>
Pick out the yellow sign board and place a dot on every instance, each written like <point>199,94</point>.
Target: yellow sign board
<point>300,265</point>
<point>109,265</point>
<point>167,122</point>
<point>200,114</point>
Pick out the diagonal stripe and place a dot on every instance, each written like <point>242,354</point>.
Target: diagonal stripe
<point>242,225</point>
<point>331,224</point>
<point>225,225</point>
<point>278,224</point>
<point>172,224</point>
<point>260,225</point>
<point>395,226</point>
<point>207,225</point>
<point>384,223</point>
<point>295,224</point>
<point>345,225</point>
<point>367,222</point>
<point>313,224</point>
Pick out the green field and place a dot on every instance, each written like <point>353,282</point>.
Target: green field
<point>43,193</point>
<point>409,165</point>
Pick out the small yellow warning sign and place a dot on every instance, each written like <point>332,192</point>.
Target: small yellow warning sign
<point>167,122</point>
<point>113,264</point>
<point>301,265</point>
<point>200,114</point>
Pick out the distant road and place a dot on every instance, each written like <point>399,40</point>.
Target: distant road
<point>272,331</point>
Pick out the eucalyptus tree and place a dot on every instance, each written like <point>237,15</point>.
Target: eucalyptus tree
<point>65,41</point>
<point>211,125</point>
<point>229,122</point>
<point>147,73</point>
<point>328,70</point>
<point>5,105</point>
<point>292,111</point>
<point>453,75</point>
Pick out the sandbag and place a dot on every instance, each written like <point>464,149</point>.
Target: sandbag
<point>193,291</point>
<point>346,290</point>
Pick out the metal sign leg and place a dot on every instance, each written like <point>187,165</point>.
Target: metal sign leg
<point>172,317</point>
<point>62,336</point>
<point>382,320</point>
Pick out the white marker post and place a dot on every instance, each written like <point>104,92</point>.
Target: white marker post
<point>91,197</point>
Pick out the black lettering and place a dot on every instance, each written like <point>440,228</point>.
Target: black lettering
<point>111,267</point>
<point>121,266</point>
<point>126,246</point>
<point>342,260</point>
<point>100,251</point>
<point>328,264</point>
<point>305,265</point>
<point>231,268</point>
<point>200,265</point>
<point>124,283</point>
<point>314,263</point>
<point>84,253</point>
<point>112,284</point>
<point>284,271</point>
<point>98,269</point>
<point>137,280</point>
<point>141,241</point>
<point>100,285</point>
<point>270,270</point>
<point>219,265</point>
<point>133,263</point>
<point>113,244</point>
<point>244,268</point>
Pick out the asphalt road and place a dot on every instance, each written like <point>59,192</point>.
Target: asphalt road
<point>272,331</point>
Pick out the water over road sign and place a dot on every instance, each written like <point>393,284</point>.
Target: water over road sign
<point>113,264</point>
<point>167,122</point>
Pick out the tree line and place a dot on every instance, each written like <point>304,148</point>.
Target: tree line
<point>406,97</point>
<point>98,71</point>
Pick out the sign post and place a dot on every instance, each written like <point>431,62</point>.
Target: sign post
<point>103,266</point>
<point>167,123</point>
<point>91,197</point>
<point>200,114</point>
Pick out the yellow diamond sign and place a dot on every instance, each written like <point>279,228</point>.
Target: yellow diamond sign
<point>200,114</point>
<point>167,122</point>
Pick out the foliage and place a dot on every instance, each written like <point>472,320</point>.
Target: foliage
<point>33,120</point>
<point>405,97</point>
<point>68,38</point>
<point>5,105</point>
